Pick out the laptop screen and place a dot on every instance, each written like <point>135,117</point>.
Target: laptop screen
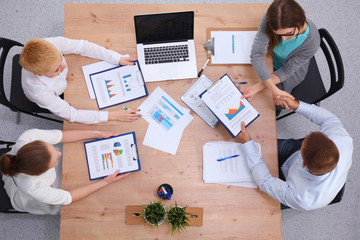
<point>165,27</point>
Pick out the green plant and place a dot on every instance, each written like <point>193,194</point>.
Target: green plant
<point>177,217</point>
<point>154,213</point>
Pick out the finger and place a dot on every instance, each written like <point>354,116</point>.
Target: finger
<point>243,126</point>
<point>134,110</point>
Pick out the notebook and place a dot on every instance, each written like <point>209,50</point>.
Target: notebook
<point>165,45</point>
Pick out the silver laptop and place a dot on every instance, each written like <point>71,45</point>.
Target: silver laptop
<point>165,46</point>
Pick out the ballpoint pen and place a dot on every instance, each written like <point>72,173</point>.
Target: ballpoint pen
<point>241,82</point>
<point>222,159</point>
<point>207,61</point>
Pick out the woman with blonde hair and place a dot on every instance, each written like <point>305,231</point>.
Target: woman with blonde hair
<point>29,171</point>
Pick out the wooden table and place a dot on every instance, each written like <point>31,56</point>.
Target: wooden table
<point>229,212</point>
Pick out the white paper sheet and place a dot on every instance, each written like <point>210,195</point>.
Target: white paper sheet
<point>224,99</point>
<point>233,171</point>
<point>93,68</point>
<point>167,121</point>
<point>232,47</point>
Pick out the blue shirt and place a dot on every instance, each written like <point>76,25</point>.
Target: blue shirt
<point>284,48</point>
<point>303,190</point>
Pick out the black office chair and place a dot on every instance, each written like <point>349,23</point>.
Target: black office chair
<point>18,101</point>
<point>312,89</point>
<point>5,204</point>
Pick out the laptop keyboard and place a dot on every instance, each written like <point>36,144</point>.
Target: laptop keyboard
<point>167,54</point>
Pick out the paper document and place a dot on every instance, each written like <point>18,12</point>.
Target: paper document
<point>105,156</point>
<point>232,47</point>
<point>167,121</point>
<point>234,170</point>
<point>93,68</point>
<point>118,85</point>
<point>224,100</point>
<point>192,98</point>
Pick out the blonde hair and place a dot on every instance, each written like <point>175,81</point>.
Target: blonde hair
<point>38,55</point>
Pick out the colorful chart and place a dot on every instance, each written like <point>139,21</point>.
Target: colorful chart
<point>118,152</point>
<point>117,144</point>
<point>127,82</point>
<point>106,160</point>
<point>109,86</point>
<point>232,112</point>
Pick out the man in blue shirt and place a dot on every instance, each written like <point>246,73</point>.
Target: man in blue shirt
<point>314,169</point>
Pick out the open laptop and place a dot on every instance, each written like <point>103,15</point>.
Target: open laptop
<point>165,46</point>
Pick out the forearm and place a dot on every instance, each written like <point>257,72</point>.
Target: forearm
<point>76,135</point>
<point>82,192</point>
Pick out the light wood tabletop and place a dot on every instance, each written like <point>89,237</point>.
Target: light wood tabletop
<point>229,212</point>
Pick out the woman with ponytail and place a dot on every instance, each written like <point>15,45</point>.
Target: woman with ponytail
<point>29,173</point>
<point>292,40</point>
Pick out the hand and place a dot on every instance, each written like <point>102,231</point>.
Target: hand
<point>115,177</point>
<point>126,61</point>
<point>252,90</point>
<point>291,104</point>
<point>124,115</point>
<point>279,96</point>
<point>244,136</point>
<point>103,134</point>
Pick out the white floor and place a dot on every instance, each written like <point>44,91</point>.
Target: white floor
<point>24,20</point>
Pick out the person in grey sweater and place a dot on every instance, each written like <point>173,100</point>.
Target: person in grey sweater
<point>292,40</point>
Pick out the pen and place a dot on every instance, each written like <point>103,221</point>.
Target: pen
<point>222,159</point>
<point>207,61</point>
<point>126,108</point>
<point>167,195</point>
<point>241,82</point>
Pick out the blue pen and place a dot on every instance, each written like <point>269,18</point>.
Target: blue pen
<point>222,159</point>
<point>241,82</point>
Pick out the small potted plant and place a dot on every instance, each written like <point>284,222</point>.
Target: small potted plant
<point>177,217</point>
<point>154,213</point>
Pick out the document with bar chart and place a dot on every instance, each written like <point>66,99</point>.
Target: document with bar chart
<point>224,100</point>
<point>118,85</point>
<point>105,156</point>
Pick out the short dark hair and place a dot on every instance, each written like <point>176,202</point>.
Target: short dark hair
<point>32,159</point>
<point>283,14</point>
<point>319,153</point>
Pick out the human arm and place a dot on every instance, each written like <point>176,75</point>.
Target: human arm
<point>76,135</point>
<point>89,49</point>
<point>275,187</point>
<point>82,192</point>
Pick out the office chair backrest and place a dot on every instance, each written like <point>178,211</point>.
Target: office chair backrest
<point>5,46</point>
<point>337,78</point>
<point>312,89</point>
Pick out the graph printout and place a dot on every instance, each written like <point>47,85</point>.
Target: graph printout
<point>224,100</point>
<point>105,156</point>
<point>118,85</point>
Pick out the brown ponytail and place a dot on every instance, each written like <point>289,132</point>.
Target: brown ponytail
<point>32,159</point>
<point>283,14</point>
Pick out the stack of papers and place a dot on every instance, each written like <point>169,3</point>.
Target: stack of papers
<point>225,163</point>
<point>167,121</point>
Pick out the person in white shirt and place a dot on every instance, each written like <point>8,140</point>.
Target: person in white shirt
<point>314,169</point>
<point>29,172</point>
<point>44,77</point>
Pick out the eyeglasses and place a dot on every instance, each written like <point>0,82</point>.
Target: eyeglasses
<point>289,34</point>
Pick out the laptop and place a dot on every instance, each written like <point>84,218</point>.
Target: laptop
<point>165,46</point>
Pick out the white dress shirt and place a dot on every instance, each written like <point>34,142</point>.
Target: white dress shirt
<point>303,190</point>
<point>36,194</point>
<point>45,91</point>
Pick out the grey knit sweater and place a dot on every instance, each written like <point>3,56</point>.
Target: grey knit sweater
<point>295,66</point>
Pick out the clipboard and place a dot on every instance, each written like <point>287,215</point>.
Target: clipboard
<point>107,155</point>
<point>192,99</point>
<point>212,44</point>
<point>118,85</point>
<point>223,98</point>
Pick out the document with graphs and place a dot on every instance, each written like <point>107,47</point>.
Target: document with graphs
<point>224,100</point>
